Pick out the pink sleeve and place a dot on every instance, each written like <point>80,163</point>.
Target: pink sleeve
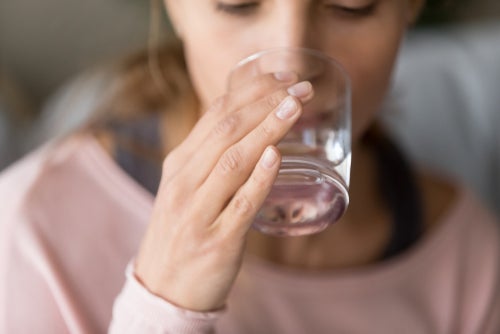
<point>136,310</point>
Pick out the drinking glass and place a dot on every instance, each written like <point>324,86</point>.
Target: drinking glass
<point>311,190</point>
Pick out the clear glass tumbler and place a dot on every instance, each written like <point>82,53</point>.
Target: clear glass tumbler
<point>311,191</point>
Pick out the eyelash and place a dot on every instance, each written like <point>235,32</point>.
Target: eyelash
<point>236,9</point>
<point>354,11</point>
<point>246,8</point>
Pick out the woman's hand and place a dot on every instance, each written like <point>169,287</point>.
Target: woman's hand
<point>212,186</point>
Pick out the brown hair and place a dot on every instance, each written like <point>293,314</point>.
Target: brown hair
<point>148,82</point>
<point>152,81</point>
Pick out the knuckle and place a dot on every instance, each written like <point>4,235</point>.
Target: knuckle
<point>266,131</point>
<point>220,103</point>
<point>175,188</point>
<point>276,98</point>
<point>173,161</point>
<point>170,161</point>
<point>230,161</point>
<point>227,126</point>
<point>271,101</point>
<point>242,205</point>
<point>260,180</point>
<point>169,167</point>
<point>173,196</point>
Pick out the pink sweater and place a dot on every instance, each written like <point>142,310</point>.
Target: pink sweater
<point>71,221</point>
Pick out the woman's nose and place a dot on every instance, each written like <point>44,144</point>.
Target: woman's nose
<point>293,26</point>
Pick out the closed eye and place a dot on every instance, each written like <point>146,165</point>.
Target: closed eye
<point>354,11</point>
<point>236,8</point>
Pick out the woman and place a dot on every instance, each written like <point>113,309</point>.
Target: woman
<point>411,255</point>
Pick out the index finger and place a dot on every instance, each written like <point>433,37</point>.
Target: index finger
<point>234,100</point>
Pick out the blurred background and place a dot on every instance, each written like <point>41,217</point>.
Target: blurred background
<point>56,56</point>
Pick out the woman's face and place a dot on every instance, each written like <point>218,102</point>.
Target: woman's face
<point>363,35</point>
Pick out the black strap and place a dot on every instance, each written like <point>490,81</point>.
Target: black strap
<point>138,150</point>
<point>400,192</point>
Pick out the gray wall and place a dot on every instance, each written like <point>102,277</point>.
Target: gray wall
<point>44,42</point>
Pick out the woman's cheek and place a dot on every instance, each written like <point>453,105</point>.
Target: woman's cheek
<point>369,90</point>
<point>209,68</point>
<point>371,73</point>
<point>206,74</point>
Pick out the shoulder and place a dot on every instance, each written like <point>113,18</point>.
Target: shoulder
<point>70,185</point>
<point>455,213</point>
<point>443,198</point>
<point>17,181</point>
<point>467,239</point>
<point>24,177</point>
<point>35,190</point>
<point>71,195</point>
<point>478,247</point>
<point>68,197</point>
<point>471,231</point>
<point>61,227</point>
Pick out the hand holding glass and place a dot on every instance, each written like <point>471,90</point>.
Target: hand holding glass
<point>311,190</point>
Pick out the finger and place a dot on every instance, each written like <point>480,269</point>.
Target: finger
<point>239,124</point>
<point>260,86</point>
<point>234,100</point>
<point>227,104</point>
<point>237,162</point>
<point>239,214</point>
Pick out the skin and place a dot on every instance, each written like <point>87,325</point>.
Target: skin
<point>214,181</point>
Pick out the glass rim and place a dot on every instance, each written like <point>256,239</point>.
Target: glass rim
<point>311,52</point>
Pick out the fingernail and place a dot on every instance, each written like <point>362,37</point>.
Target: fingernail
<point>287,108</point>
<point>269,158</point>
<point>301,89</point>
<point>285,76</point>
